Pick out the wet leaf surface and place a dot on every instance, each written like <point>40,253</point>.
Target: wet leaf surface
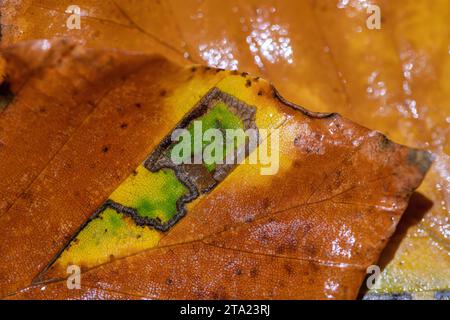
<point>319,54</point>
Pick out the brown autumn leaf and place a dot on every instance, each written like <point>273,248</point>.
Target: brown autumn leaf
<point>395,80</point>
<point>81,122</point>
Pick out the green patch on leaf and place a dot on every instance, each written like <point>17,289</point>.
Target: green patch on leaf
<point>152,194</point>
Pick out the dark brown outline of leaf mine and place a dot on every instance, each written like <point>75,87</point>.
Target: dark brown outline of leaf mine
<point>157,160</point>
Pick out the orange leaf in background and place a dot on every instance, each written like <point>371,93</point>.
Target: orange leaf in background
<point>308,231</point>
<point>320,55</point>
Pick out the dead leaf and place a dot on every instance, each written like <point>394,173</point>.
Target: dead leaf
<point>309,231</point>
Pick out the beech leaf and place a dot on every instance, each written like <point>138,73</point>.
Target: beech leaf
<point>87,133</point>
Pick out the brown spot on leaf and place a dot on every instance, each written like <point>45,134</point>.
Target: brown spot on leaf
<point>289,269</point>
<point>254,272</point>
